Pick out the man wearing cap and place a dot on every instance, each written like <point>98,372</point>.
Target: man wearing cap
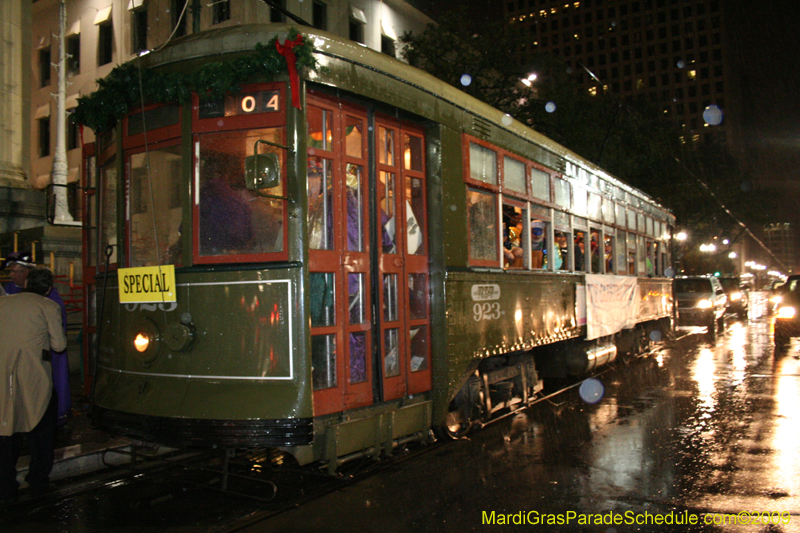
<point>20,264</point>
<point>27,399</point>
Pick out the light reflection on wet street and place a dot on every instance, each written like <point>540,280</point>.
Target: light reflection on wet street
<point>696,428</point>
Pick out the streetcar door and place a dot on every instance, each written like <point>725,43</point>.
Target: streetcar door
<point>339,258</point>
<point>402,277</point>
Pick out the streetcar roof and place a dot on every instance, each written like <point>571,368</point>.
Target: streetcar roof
<point>243,38</point>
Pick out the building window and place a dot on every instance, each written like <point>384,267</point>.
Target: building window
<point>276,15</point>
<point>387,46</point>
<point>222,11</point>
<point>320,15</point>
<point>139,30</point>
<point>105,43</point>
<point>44,67</point>
<point>356,31</point>
<point>44,137</point>
<point>74,54</point>
<point>178,17</point>
<point>73,133</point>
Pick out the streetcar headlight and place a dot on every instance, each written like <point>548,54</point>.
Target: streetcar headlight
<point>736,296</point>
<point>786,312</point>
<point>704,304</point>
<point>141,343</point>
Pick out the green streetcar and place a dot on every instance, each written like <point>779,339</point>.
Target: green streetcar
<point>333,263</point>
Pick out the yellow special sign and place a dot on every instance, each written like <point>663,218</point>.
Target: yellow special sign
<point>147,284</point>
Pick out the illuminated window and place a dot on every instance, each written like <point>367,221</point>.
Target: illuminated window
<point>692,74</point>
<point>593,91</point>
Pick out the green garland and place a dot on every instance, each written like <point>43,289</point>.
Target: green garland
<point>119,91</point>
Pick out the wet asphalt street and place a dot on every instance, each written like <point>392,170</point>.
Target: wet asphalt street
<point>704,435</point>
<point>701,436</point>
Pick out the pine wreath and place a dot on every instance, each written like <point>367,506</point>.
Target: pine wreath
<point>118,92</point>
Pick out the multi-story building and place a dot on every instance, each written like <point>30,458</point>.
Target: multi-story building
<point>101,34</point>
<point>668,51</point>
<point>781,240</point>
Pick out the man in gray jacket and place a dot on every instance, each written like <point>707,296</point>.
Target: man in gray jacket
<point>31,326</point>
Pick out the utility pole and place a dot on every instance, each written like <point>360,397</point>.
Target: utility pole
<point>59,173</point>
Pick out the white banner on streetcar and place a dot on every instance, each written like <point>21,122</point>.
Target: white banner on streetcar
<point>612,304</point>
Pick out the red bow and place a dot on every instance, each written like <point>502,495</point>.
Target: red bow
<point>286,50</point>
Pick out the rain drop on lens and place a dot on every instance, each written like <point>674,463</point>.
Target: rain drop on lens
<point>713,115</point>
<point>655,335</point>
<point>507,120</point>
<point>681,64</point>
<point>466,79</point>
<point>591,390</point>
<point>550,107</point>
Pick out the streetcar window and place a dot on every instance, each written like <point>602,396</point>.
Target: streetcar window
<point>579,201</point>
<point>562,192</point>
<point>391,357</point>
<point>561,250</point>
<point>354,136</point>
<point>321,300</point>
<point>482,222</point>
<point>631,248</point>
<point>232,219</point>
<point>412,152</point>
<point>418,348</point>
<point>386,199</point>
<point>641,256</point>
<point>155,205</point>
<point>415,216</point>
<point>390,303</point>
<point>355,206</point>
<point>608,253</point>
<point>358,357</point>
<point>418,296</point>
<point>108,210</point>
<point>323,361</point>
<point>386,150</point>
<point>482,164</point>
<point>580,250</point>
<point>514,238</point>
<point>514,175</point>
<point>320,203</point>
<point>356,294</point>
<point>652,258</point>
<point>540,252</point>
<point>540,184</point>
<point>594,206</point>
<point>594,252</point>
<point>320,128</point>
<point>622,252</point>
<point>620,215</point>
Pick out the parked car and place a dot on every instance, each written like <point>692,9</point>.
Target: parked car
<point>787,312</point>
<point>701,302</point>
<point>738,298</point>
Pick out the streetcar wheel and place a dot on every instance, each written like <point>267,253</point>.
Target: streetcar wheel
<point>455,426</point>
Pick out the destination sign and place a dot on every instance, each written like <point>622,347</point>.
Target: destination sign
<point>153,284</point>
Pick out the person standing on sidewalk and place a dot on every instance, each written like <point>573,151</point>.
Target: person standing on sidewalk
<point>32,327</point>
<point>20,264</point>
